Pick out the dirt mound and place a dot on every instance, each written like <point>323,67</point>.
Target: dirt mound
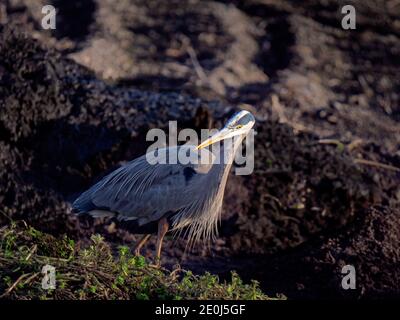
<point>299,187</point>
<point>329,81</point>
<point>315,269</point>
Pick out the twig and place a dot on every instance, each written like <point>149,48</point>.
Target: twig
<point>276,105</point>
<point>5,215</point>
<point>275,199</point>
<point>351,146</point>
<point>31,252</point>
<point>354,144</point>
<point>8,291</point>
<point>197,67</point>
<point>31,278</point>
<point>336,142</point>
<point>377,164</point>
<point>3,14</point>
<point>175,271</point>
<point>290,218</point>
<point>329,141</point>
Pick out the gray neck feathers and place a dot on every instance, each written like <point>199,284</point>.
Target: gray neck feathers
<point>202,218</point>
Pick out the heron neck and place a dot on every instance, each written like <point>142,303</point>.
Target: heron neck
<point>227,154</point>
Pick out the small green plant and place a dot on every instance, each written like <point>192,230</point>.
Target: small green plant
<point>94,273</point>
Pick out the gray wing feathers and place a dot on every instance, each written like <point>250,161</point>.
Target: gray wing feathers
<point>140,190</point>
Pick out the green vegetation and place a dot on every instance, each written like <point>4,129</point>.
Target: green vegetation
<point>94,273</point>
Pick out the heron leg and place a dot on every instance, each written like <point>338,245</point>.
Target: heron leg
<point>163,227</point>
<point>141,243</point>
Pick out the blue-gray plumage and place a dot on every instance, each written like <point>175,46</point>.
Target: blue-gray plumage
<point>143,191</point>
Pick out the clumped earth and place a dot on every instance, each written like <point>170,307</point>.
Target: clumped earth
<point>77,102</point>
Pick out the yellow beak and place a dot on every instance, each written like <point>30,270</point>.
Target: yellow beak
<point>215,138</point>
<point>205,144</point>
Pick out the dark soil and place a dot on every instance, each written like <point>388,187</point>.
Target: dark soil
<point>77,102</point>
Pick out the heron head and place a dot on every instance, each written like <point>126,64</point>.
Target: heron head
<point>238,125</point>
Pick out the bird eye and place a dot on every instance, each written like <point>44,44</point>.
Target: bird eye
<point>239,126</point>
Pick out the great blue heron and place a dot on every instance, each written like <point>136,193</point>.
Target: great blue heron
<point>149,197</point>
